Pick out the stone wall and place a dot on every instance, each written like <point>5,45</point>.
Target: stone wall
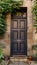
<point>6,39</point>
<point>28,4</point>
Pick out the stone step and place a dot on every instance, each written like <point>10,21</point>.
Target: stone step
<point>18,58</point>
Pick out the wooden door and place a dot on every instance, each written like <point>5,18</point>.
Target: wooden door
<point>19,35</point>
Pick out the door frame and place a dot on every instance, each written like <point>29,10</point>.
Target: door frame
<point>22,9</point>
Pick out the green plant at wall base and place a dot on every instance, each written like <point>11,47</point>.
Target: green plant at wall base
<point>1,55</point>
<point>34,47</point>
<point>35,14</point>
<point>2,24</point>
<point>5,7</point>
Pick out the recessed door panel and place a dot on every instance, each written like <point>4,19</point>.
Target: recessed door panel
<point>14,24</point>
<point>22,24</point>
<point>15,35</point>
<point>22,35</point>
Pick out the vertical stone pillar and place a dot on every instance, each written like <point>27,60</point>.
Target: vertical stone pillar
<point>6,39</point>
<point>28,4</point>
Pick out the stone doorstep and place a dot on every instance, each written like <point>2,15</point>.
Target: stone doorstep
<point>18,59</point>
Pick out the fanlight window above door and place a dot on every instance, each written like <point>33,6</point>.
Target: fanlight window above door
<point>18,14</point>
<point>21,14</point>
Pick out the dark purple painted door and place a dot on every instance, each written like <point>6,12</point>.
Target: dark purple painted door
<point>19,35</point>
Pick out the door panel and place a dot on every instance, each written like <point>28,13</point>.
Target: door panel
<point>15,48</point>
<point>22,47</point>
<point>19,36</point>
<point>23,24</point>
<point>15,25</point>
<point>15,35</point>
<point>22,34</point>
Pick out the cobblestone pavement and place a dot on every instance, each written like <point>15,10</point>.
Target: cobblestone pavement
<point>19,63</point>
<point>33,63</point>
<point>22,63</point>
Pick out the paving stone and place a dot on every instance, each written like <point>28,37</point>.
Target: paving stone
<point>23,63</point>
<point>14,63</point>
<point>18,63</point>
<point>33,63</point>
